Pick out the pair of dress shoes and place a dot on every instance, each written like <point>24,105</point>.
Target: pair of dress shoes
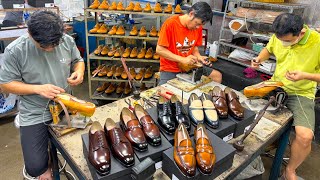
<point>139,128</point>
<point>171,113</point>
<point>227,102</point>
<point>99,149</point>
<point>187,158</point>
<point>144,73</point>
<point>203,110</point>
<point>109,88</point>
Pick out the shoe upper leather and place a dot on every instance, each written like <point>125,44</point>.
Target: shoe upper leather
<point>235,108</point>
<point>165,117</point>
<point>195,109</point>
<point>220,101</point>
<point>179,112</point>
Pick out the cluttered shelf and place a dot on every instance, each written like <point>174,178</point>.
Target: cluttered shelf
<point>130,12</point>
<point>127,36</point>
<point>265,37</point>
<point>149,80</point>
<point>274,5</point>
<point>252,20</point>
<point>27,9</point>
<point>92,56</point>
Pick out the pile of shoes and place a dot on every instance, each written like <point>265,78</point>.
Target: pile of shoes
<point>121,88</point>
<point>105,50</point>
<point>101,28</point>
<point>187,158</point>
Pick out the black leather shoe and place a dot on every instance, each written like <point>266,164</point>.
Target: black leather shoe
<point>179,112</point>
<point>165,118</point>
<point>195,109</point>
<point>210,112</point>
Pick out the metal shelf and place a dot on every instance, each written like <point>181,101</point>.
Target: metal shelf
<point>127,36</point>
<point>246,34</point>
<point>248,20</point>
<point>275,5</point>
<point>92,56</point>
<point>131,12</point>
<point>105,79</point>
<point>28,9</point>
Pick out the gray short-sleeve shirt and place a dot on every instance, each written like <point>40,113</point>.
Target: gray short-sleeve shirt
<point>24,62</point>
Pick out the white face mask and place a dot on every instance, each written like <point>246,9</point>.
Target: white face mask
<point>286,44</point>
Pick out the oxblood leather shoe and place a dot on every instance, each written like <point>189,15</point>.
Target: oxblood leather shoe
<point>99,153</point>
<point>235,108</point>
<point>157,8</point>
<point>149,73</point>
<point>165,117</point>
<point>210,113</point>
<point>119,71</point>
<point>168,9</point>
<point>130,6</point>
<point>113,6</point>
<point>178,10</point>
<point>220,102</point>
<point>103,87</point>
<point>156,56</point>
<point>110,89</point>
<point>126,53</point>
<point>98,50</point>
<point>150,129</point>
<point>104,71</point>
<point>112,71</point>
<point>183,152</point>
<point>98,69</point>
<point>127,89</point>
<point>112,51</point>
<point>120,88</point>
<point>95,4</point>
<point>149,54</point>
<point>134,52</point>
<point>142,53</point>
<point>120,31</point>
<point>134,31</point>
<point>195,109</point>
<point>153,32</point>
<point>133,130</point>
<point>120,6</point>
<point>113,30</point>
<point>141,73</point>
<point>95,28</point>
<point>143,32</point>
<point>147,8</point>
<point>137,7</point>
<point>205,155</point>
<point>179,112</point>
<point>105,50</point>
<point>120,145</point>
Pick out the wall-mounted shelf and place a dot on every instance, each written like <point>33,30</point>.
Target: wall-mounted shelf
<point>92,56</point>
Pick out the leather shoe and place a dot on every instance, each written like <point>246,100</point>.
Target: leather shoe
<point>127,89</point>
<point>178,9</point>
<point>98,69</point>
<point>149,54</point>
<point>195,109</point>
<point>119,71</point>
<point>165,117</point>
<point>120,145</point>
<point>104,5</point>
<point>141,73</point>
<point>120,88</point>
<point>142,53</point>
<point>150,129</point>
<point>157,8</point>
<point>112,51</point>
<point>183,152</point>
<point>99,152</point>
<point>120,6</point>
<point>147,8</point>
<point>143,31</point>
<point>127,52</point>
<point>168,9</point>
<point>98,50</point>
<point>95,28</point>
<point>134,31</point>
<point>95,4</point>
<point>120,31</point>
<point>113,30</point>
<point>153,32</point>
<point>105,50</point>
<point>179,112</point>
<point>130,6</point>
<point>112,71</point>
<point>113,6</point>
<point>103,87</point>
<point>133,72</point>
<point>220,102</point>
<point>210,113</point>
<point>133,130</point>
<point>235,108</point>
<point>137,7</point>
<point>134,52</point>
<point>110,89</point>
<point>149,73</point>
<point>104,71</point>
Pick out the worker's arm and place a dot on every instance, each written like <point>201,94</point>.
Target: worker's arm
<point>165,53</point>
<point>199,56</point>
<point>77,76</point>
<point>299,75</point>
<point>264,55</point>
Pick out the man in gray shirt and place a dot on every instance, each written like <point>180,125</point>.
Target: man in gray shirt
<point>38,66</point>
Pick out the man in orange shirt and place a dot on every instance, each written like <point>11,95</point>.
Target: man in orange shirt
<point>178,42</point>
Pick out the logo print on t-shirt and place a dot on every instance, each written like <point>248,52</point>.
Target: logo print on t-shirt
<point>186,47</point>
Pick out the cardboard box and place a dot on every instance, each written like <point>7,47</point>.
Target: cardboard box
<point>10,4</point>
<point>244,124</point>
<point>225,130</point>
<point>117,169</point>
<point>41,3</point>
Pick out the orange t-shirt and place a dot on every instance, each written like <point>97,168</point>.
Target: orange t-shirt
<point>179,40</point>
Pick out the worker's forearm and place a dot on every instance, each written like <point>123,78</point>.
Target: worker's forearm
<point>79,67</point>
<point>196,52</point>
<point>19,88</point>
<point>164,52</point>
<point>264,55</point>
<point>312,77</point>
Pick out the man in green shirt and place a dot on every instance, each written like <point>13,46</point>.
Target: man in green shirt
<point>38,66</point>
<point>297,50</point>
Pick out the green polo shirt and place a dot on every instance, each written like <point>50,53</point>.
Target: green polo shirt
<point>303,56</point>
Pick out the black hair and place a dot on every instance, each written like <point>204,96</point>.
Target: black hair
<point>46,28</point>
<point>286,24</point>
<point>203,11</point>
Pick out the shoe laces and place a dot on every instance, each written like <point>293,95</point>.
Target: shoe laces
<point>178,108</point>
<point>166,109</point>
<point>100,140</point>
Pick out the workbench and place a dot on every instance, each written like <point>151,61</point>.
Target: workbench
<point>70,145</point>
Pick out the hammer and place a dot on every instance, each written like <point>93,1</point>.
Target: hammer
<point>239,144</point>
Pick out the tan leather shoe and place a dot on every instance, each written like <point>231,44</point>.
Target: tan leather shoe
<point>120,88</point>
<point>120,6</point>
<point>124,75</point>
<point>95,4</point>
<point>149,54</point>
<point>149,73</point>
<point>98,69</point>
<point>157,8</point>
<point>117,54</point>
<point>134,52</point>
<point>120,31</point>
<point>130,6</point>
<point>134,31</point>
<point>153,32</point>
<point>112,71</point>
<point>126,53</point>
<point>156,56</point>
<point>113,6</point>
<point>104,5</point>
<point>103,87</point>
<point>95,28</point>
<point>112,51</point>
<point>168,9</point>
<point>104,71</point>
<point>113,30</point>
<point>110,89</point>
<point>119,71</point>
<point>127,89</point>
<point>137,7</point>
<point>178,9</point>
<point>143,32</point>
<point>98,50</point>
<point>105,50</point>
<point>142,53</point>
<point>158,34</point>
<point>141,73</point>
<point>147,8</point>
<point>133,72</point>
<point>103,29</point>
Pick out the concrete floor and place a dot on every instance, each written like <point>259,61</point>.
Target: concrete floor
<point>11,159</point>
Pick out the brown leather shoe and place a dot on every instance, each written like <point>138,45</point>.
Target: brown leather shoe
<point>112,71</point>
<point>149,54</point>
<point>137,7</point>
<point>143,87</point>
<point>127,52</point>
<point>113,6</point>
<point>153,32</point>
<point>142,53</point>
<point>235,108</point>
<point>124,75</point>
<point>117,54</point>
<point>147,8</point>
<point>112,51</point>
<point>104,5</point>
<point>205,155</point>
<point>127,89</point>
<point>120,31</point>
<point>133,130</point>
<point>143,32</point>
<point>134,52</point>
<point>119,71</point>
<point>156,56</point>
<point>103,87</point>
<point>113,30</point>
<point>157,8</point>
<point>95,4</point>
<point>168,9</point>
<point>141,73</point>
<point>99,152</point>
<point>103,29</point>
<point>98,50</point>
<point>149,73</point>
<point>120,6</point>
<point>98,69</point>
<point>150,129</point>
<point>95,28</point>
<point>178,9</point>
<point>130,6</point>
<point>220,101</point>
<point>104,71</point>
<point>134,31</point>
<point>133,72</point>
<point>120,88</point>
<point>110,89</point>
<point>105,50</point>
<point>183,152</point>
<point>120,145</point>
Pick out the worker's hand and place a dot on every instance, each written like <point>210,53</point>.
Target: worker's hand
<point>204,60</point>
<point>255,63</point>
<point>48,90</point>
<point>295,75</point>
<point>190,60</point>
<point>76,78</point>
